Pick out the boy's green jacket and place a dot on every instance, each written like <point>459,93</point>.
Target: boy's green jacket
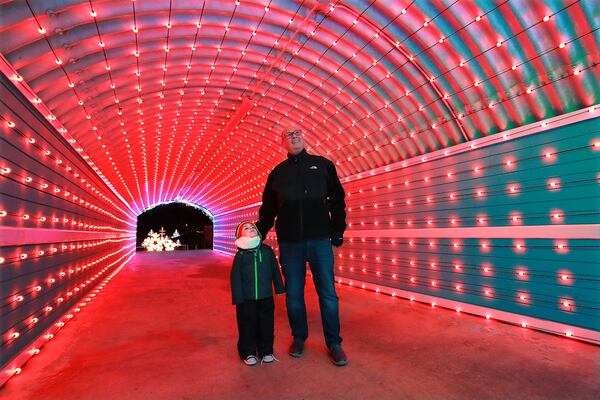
<point>253,274</point>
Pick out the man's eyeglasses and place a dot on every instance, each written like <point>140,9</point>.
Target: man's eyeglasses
<point>292,134</point>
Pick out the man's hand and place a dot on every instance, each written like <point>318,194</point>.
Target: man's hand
<point>337,241</point>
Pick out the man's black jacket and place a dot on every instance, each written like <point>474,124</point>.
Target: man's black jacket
<point>305,194</point>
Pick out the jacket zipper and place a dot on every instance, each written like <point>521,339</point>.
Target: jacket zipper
<point>255,278</point>
<point>303,180</point>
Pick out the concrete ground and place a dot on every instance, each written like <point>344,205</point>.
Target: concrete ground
<point>164,328</point>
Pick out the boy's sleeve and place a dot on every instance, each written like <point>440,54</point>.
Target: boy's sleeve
<point>237,290</point>
<point>277,279</point>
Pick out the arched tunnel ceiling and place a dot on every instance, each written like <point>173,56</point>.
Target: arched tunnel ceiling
<point>185,99</point>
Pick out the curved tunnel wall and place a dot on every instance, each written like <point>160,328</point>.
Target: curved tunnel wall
<point>63,233</point>
<point>511,226</point>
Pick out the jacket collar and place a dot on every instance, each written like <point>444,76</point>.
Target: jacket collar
<point>252,250</point>
<point>298,157</point>
<point>243,243</point>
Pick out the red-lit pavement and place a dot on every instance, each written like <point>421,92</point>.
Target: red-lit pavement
<point>164,328</point>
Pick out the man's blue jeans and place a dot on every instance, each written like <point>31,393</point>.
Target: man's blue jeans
<point>319,254</point>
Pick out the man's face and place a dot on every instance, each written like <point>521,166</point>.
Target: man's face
<point>292,141</point>
<point>249,230</point>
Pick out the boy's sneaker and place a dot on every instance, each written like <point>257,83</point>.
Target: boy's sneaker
<point>337,355</point>
<point>296,349</point>
<point>251,361</point>
<point>269,358</point>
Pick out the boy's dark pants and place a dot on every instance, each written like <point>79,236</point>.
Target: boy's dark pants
<point>255,320</point>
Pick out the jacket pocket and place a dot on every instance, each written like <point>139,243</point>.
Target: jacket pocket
<point>316,184</point>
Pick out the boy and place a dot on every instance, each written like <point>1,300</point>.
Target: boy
<point>254,272</point>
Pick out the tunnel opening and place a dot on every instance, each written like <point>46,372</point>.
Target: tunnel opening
<point>174,226</point>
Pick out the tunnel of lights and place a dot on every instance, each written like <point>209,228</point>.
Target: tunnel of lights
<point>466,135</point>
<point>192,224</point>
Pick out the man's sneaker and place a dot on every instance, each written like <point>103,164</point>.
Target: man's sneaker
<point>251,360</point>
<point>269,358</point>
<point>337,355</point>
<point>296,349</point>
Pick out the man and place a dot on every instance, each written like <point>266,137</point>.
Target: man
<point>306,196</point>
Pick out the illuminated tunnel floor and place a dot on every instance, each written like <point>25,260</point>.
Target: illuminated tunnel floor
<point>164,328</point>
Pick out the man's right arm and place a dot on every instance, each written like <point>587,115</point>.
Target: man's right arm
<point>268,210</point>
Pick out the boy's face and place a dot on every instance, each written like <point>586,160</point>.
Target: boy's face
<point>249,230</point>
